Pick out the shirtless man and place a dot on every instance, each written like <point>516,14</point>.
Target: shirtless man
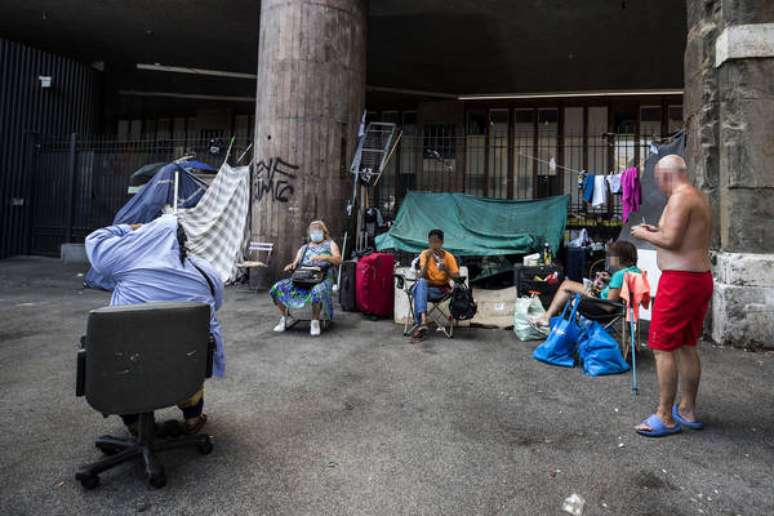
<point>682,240</point>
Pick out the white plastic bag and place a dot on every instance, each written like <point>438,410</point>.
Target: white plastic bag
<point>525,309</point>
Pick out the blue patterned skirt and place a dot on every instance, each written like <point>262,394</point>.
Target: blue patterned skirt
<point>296,298</point>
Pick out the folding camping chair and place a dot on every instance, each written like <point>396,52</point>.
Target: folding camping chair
<point>437,308</point>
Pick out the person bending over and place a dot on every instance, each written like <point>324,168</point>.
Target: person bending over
<point>621,258</point>
<point>437,269</point>
<point>149,263</point>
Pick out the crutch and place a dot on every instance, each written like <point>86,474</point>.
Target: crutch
<point>634,352</point>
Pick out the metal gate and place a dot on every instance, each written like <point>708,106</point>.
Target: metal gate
<point>79,185</point>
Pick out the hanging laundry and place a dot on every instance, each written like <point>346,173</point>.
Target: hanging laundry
<point>632,192</point>
<point>588,187</point>
<point>614,181</point>
<point>552,165</point>
<point>599,199</point>
<point>581,179</point>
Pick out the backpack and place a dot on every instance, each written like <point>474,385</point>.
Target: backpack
<point>462,306</point>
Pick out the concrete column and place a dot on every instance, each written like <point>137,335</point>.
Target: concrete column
<point>310,96</point>
<point>729,109</point>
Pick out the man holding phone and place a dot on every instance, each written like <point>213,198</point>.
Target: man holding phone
<point>437,268</point>
<point>682,240</point>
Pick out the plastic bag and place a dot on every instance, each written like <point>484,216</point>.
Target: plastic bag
<point>599,352</point>
<point>559,348</point>
<point>525,309</point>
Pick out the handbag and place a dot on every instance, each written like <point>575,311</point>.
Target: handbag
<point>525,309</point>
<point>559,348</point>
<point>307,277</point>
<point>599,352</point>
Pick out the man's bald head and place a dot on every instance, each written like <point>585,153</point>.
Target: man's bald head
<point>670,171</point>
<point>672,163</point>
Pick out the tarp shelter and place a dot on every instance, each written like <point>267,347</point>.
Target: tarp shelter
<point>475,226</point>
<point>653,199</point>
<point>146,172</point>
<point>148,203</point>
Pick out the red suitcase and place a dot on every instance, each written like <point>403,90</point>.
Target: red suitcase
<point>374,284</point>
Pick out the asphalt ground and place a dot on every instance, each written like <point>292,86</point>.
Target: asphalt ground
<point>360,421</point>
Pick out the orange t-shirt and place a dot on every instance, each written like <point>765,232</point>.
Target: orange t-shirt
<point>434,275</point>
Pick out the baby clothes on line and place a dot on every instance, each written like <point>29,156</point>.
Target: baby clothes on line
<point>599,198</point>
<point>588,187</point>
<point>614,181</point>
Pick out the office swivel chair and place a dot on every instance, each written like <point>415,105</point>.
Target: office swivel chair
<point>136,359</point>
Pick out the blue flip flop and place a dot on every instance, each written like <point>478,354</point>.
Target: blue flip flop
<point>658,428</point>
<point>693,425</point>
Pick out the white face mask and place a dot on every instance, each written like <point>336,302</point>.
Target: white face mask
<point>316,235</point>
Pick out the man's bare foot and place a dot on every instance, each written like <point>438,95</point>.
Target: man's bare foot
<point>687,414</point>
<point>666,420</point>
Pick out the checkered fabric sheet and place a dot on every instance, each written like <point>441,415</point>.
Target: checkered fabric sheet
<point>217,226</point>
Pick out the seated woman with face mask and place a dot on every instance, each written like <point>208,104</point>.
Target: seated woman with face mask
<point>320,252</point>
<point>621,258</point>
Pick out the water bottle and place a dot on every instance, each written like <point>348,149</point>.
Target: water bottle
<point>548,257</point>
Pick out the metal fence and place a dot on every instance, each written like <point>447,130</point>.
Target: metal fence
<point>79,185</point>
<point>526,166</point>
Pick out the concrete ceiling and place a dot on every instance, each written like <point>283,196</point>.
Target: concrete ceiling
<point>452,46</point>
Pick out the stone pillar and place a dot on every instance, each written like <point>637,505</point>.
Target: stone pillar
<point>309,100</point>
<point>729,111</point>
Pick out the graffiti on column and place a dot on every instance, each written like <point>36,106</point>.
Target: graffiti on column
<point>275,179</point>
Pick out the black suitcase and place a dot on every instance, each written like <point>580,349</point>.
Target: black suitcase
<point>347,286</point>
<point>525,279</point>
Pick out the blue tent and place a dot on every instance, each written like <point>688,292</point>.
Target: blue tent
<point>148,202</point>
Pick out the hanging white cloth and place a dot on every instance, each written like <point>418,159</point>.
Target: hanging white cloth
<point>599,200</point>
<point>614,181</point>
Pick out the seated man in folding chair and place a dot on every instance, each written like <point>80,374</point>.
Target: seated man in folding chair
<point>437,270</point>
<point>621,258</point>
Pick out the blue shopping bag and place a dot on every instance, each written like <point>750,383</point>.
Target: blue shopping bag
<point>560,345</point>
<point>599,352</point>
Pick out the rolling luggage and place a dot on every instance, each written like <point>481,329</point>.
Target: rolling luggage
<point>347,286</point>
<point>374,284</point>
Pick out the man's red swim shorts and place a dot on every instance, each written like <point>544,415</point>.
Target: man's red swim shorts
<point>678,313</point>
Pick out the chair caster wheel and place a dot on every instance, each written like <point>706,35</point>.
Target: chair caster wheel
<point>107,450</point>
<point>158,480</point>
<point>89,482</point>
<point>205,448</point>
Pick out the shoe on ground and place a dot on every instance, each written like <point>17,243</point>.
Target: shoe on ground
<point>284,322</point>
<point>314,329</point>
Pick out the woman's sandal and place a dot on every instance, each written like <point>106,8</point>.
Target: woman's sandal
<point>194,426</point>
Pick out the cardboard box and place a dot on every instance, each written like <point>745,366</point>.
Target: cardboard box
<point>495,307</point>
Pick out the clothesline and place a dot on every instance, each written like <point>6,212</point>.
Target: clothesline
<point>550,164</point>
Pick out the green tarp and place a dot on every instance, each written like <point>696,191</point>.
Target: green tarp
<point>475,226</point>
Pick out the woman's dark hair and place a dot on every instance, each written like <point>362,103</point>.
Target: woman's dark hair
<point>625,251</point>
<point>182,238</point>
<point>435,232</point>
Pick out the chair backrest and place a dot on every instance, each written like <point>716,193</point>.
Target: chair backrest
<point>141,358</point>
<point>255,249</point>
